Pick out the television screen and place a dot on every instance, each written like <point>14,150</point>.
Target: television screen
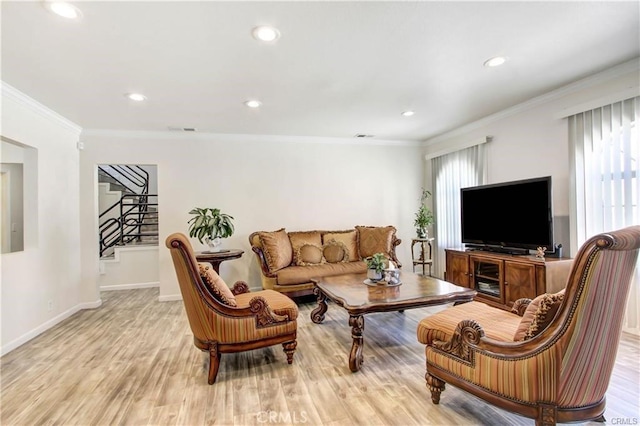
<point>514,214</point>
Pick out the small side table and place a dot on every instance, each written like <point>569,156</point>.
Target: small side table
<point>217,257</point>
<point>424,255</point>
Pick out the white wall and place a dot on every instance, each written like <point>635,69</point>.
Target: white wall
<point>265,183</point>
<point>531,139</point>
<point>153,177</point>
<point>124,271</point>
<point>106,199</point>
<point>41,285</point>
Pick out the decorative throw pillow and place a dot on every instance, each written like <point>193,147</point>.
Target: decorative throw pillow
<point>218,287</point>
<point>277,249</point>
<point>298,239</point>
<point>335,252</point>
<point>538,315</point>
<point>372,240</point>
<point>348,238</point>
<point>309,254</point>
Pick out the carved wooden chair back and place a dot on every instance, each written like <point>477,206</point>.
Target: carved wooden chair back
<point>199,303</point>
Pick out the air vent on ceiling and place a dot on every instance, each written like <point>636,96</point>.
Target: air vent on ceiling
<point>362,135</point>
<point>183,129</point>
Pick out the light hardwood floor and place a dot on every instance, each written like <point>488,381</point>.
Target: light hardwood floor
<point>132,362</point>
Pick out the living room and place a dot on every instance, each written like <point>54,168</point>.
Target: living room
<point>265,181</point>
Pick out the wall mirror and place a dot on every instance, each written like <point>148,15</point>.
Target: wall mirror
<point>18,183</point>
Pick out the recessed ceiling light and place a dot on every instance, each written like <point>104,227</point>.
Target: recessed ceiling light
<point>66,10</point>
<point>408,113</point>
<point>265,33</point>
<point>495,62</point>
<point>138,97</point>
<point>253,103</point>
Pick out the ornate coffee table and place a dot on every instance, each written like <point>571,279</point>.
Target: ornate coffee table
<point>350,292</point>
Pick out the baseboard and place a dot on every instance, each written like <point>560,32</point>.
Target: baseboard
<point>91,305</point>
<point>170,298</point>
<point>119,249</point>
<point>131,286</point>
<point>47,325</point>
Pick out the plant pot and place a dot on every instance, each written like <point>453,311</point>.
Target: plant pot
<point>214,244</point>
<point>422,233</point>
<point>373,275</point>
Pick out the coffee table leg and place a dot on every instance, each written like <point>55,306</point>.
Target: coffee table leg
<point>317,315</point>
<point>357,328</point>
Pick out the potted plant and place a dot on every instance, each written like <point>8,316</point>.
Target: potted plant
<point>210,225</point>
<point>375,265</point>
<point>424,217</point>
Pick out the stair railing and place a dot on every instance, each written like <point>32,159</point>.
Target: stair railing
<point>134,179</point>
<point>127,225</point>
<point>133,206</point>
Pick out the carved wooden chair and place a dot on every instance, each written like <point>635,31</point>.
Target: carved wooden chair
<point>559,373</point>
<point>224,320</point>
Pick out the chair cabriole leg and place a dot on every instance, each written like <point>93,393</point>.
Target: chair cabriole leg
<point>289,348</point>
<point>436,386</point>
<point>214,363</point>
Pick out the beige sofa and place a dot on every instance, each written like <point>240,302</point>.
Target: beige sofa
<point>288,260</point>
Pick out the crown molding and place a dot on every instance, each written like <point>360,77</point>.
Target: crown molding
<point>20,98</point>
<point>611,98</point>
<point>235,137</point>
<point>604,76</point>
<point>448,149</point>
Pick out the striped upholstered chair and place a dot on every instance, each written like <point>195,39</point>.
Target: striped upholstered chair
<point>560,374</point>
<point>227,320</point>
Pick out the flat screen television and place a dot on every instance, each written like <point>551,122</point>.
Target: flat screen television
<point>512,217</point>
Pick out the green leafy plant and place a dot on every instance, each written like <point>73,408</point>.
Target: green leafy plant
<point>424,217</point>
<point>378,262</point>
<point>210,223</point>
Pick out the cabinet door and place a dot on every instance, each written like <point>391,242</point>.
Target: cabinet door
<point>487,279</point>
<point>458,268</point>
<point>519,281</point>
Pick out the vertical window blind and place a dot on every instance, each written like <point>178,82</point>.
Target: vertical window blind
<point>451,172</point>
<point>605,169</point>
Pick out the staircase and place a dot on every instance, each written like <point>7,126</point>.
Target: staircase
<point>128,213</point>
<point>128,233</point>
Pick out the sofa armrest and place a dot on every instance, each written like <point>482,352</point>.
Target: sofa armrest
<point>395,243</point>
<point>263,262</point>
<point>461,344</point>
<point>240,287</point>
<point>469,338</point>
<point>264,314</point>
<point>520,306</point>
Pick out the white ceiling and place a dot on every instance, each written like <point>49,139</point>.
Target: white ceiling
<point>340,68</point>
